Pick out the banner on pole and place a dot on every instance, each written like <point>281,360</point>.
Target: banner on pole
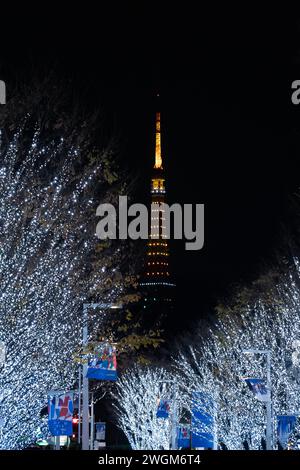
<point>103,364</point>
<point>100,431</point>
<point>285,426</point>
<point>60,414</point>
<point>183,436</point>
<point>163,409</point>
<point>202,421</point>
<point>259,388</point>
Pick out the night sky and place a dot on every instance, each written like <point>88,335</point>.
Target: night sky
<point>230,134</point>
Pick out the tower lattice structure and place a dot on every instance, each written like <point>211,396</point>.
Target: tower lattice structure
<point>157,270</point>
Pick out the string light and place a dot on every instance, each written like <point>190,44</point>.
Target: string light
<point>46,274</point>
<point>217,368</point>
<point>136,400</point>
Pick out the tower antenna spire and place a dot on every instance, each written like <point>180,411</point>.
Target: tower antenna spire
<point>158,158</point>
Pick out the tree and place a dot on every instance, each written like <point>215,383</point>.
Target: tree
<point>137,395</point>
<point>217,367</point>
<point>52,178</point>
<point>294,438</point>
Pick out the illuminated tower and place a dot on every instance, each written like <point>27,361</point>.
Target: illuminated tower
<point>157,284</point>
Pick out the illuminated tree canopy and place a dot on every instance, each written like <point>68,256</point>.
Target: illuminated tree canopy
<point>216,366</point>
<point>51,181</point>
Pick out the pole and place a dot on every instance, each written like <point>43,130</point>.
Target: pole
<point>215,427</point>
<point>2,362</point>
<point>85,385</point>
<point>92,423</point>
<point>79,404</point>
<point>269,432</point>
<point>174,419</point>
<point>174,430</point>
<point>174,413</point>
<point>57,442</point>
<point>85,382</point>
<point>269,419</point>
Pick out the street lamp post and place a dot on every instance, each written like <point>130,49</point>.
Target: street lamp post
<point>174,418</point>
<point>269,432</point>
<point>85,380</point>
<point>215,427</point>
<point>79,404</point>
<point>2,353</point>
<point>92,422</point>
<point>85,384</point>
<point>2,363</point>
<point>174,413</point>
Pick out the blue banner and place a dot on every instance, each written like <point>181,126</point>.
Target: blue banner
<point>285,426</point>
<point>202,421</point>
<point>100,431</point>
<point>103,364</point>
<point>60,414</point>
<point>259,388</point>
<point>163,409</point>
<point>184,436</point>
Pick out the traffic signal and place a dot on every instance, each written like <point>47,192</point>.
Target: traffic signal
<point>75,422</point>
